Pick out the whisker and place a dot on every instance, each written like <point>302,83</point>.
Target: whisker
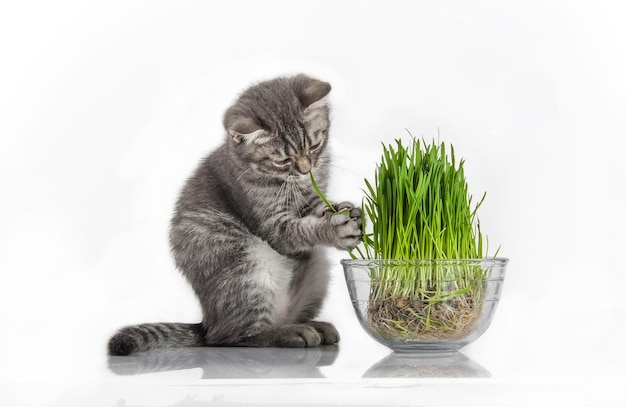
<point>334,166</point>
<point>296,195</point>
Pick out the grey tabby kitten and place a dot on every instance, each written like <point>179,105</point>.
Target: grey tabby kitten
<point>248,228</point>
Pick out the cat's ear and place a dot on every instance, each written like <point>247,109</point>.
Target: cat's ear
<point>256,137</point>
<point>310,91</point>
<point>248,132</point>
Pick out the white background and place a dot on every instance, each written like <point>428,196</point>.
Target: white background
<point>106,107</point>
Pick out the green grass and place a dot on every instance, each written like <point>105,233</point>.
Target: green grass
<point>419,208</point>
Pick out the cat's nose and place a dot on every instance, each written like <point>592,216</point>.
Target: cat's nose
<point>303,165</point>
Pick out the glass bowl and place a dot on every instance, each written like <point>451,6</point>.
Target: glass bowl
<point>425,306</point>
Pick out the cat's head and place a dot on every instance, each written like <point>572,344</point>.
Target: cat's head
<point>280,127</point>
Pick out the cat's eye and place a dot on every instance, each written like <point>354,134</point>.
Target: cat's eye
<point>315,147</point>
<point>282,163</point>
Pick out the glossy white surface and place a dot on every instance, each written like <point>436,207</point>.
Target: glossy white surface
<point>106,107</point>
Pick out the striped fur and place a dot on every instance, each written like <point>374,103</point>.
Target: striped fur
<point>248,227</point>
<point>146,336</point>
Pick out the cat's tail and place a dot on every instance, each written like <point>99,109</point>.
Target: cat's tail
<point>141,337</point>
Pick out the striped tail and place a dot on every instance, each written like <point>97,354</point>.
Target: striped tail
<point>141,337</point>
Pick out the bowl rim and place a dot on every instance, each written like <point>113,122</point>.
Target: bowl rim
<point>501,261</point>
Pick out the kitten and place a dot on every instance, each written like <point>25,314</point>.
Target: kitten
<point>248,228</point>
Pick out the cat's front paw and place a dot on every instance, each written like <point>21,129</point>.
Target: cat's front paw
<point>327,331</point>
<point>343,207</point>
<point>345,226</point>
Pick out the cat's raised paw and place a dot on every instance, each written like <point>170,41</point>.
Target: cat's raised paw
<point>346,227</point>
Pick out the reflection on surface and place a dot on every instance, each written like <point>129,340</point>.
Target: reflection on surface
<point>229,363</point>
<point>414,366</point>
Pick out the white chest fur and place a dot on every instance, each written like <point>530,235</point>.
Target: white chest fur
<point>272,273</point>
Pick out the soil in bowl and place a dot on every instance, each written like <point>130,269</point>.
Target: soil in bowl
<point>424,318</point>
